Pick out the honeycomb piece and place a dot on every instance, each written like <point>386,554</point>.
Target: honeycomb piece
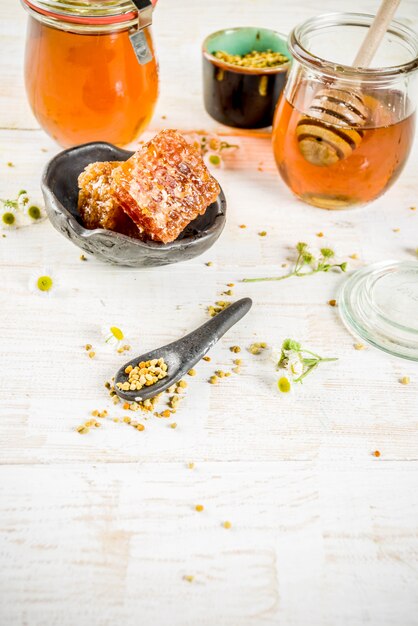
<point>164,186</point>
<point>97,203</point>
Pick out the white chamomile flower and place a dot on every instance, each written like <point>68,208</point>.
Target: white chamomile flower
<point>8,216</point>
<point>294,364</point>
<point>34,212</point>
<point>284,384</point>
<point>22,200</point>
<point>113,336</point>
<point>43,282</point>
<point>15,213</point>
<point>213,159</point>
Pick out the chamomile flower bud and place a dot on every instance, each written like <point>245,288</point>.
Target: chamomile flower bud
<point>308,258</point>
<point>327,253</point>
<point>214,144</point>
<point>213,159</point>
<point>291,344</point>
<point>301,246</point>
<point>8,217</point>
<point>43,283</point>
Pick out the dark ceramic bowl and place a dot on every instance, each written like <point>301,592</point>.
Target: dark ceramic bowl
<point>60,190</point>
<point>239,96</point>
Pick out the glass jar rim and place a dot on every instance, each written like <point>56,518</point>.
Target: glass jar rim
<point>92,12</point>
<point>304,56</point>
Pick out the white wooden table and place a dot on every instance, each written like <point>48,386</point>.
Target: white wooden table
<point>101,529</point>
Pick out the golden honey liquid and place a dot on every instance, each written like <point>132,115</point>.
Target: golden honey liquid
<point>88,87</point>
<point>361,177</point>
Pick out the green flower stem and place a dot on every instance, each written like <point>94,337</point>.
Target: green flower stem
<point>260,280</point>
<point>225,145</point>
<point>309,362</point>
<point>299,262</point>
<point>312,364</point>
<point>317,355</point>
<point>308,371</point>
<point>296,272</point>
<point>271,278</point>
<point>311,353</point>
<point>9,203</point>
<point>305,258</point>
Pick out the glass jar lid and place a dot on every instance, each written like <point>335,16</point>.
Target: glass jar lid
<point>84,14</point>
<point>379,304</point>
<point>83,8</point>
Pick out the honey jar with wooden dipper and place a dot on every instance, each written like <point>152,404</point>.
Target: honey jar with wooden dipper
<point>343,130</point>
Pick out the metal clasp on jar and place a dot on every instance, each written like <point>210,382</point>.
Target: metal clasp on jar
<point>138,38</point>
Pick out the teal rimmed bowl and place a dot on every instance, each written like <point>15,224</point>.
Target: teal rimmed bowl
<point>243,97</point>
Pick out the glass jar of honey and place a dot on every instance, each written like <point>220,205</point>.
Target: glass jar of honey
<point>85,79</point>
<point>342,134</point>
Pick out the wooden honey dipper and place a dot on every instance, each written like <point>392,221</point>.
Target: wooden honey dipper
<point>331,130</point>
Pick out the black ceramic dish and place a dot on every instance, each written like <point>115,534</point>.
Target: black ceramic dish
<point>60,190</point>
<point>239,96</point>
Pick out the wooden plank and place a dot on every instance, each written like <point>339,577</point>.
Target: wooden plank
<point>327,543</point>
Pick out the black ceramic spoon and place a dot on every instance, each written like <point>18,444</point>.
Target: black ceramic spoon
<point>182,354</point>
